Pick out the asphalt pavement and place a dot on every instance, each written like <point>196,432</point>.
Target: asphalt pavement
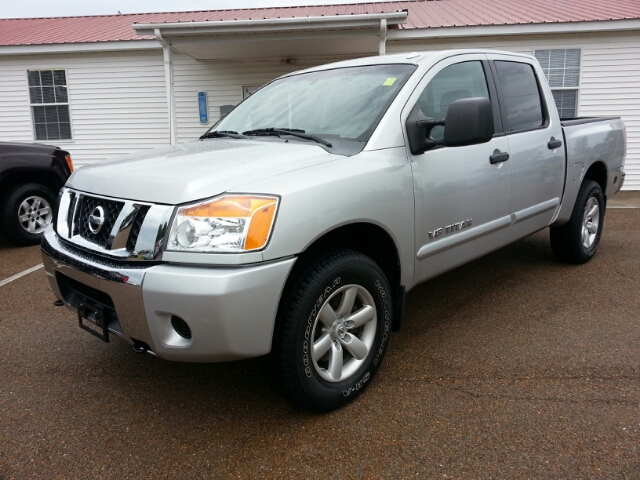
<point>514,366</point>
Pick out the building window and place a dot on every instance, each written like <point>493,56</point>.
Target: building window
<point>248,91</point>
<point>562,69</point>
<point>49,104</point>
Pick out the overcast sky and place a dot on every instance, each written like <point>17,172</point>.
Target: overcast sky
<point>63,8</point>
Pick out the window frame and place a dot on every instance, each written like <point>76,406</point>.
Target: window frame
<point>503,110</point>
<point>492,89</point>
<point>577,89</point>
<point>71,138</point>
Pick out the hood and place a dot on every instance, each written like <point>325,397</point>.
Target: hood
<point>15,148</point>
<point>195,170</point>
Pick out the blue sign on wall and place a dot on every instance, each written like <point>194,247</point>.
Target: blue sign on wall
<point>202,107</point>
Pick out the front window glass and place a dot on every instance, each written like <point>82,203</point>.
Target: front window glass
<point>342,103</point>
<point>462,80</point>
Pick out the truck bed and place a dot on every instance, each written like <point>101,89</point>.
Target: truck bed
<point>590,140</point>
<point>573,121</point>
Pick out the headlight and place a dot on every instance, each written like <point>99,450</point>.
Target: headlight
<point>227,224</point>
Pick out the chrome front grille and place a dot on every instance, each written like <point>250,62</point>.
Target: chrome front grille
<point>94,232</point>
<point>136,226</point>
<point>116,228</point>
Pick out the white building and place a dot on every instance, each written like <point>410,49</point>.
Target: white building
<point>108,85</point>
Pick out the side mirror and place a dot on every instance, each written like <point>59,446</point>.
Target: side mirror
<point>468,122</point>
<point>419,131</point>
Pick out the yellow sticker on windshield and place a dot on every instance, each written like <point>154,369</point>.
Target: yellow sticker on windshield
<point>389,81</point>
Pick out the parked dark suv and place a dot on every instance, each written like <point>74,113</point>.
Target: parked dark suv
<point>30,177</point>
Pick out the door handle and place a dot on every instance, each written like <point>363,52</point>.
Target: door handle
<point>553,143</point>
<point>499,157</point>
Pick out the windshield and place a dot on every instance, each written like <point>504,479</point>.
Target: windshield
<point>338,104</point>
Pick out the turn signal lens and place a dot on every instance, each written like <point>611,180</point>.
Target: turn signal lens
<point>228,224</point>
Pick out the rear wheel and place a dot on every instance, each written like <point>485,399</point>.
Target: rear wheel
<point>332,331</point>
<point>25,212</point>
<point>578,239</point>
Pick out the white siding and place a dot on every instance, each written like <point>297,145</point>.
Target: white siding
<point>223,82</point>
<point>117,102</point>
<point>15,118</point>
<point>609,83</point>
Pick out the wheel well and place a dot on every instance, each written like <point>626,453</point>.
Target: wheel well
<point>14,179</point>
<point>598,173</point>
<point>366,238</point>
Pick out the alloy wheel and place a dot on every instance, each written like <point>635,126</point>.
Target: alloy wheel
<point>343,333</point>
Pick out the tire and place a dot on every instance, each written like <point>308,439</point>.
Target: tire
<point>577,240</point>
<point>332,331</point>
<point>25,212</point>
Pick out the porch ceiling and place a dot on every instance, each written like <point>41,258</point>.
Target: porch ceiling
<point>282,45</point>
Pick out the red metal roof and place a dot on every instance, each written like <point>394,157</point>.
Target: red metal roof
<point>422,14</point>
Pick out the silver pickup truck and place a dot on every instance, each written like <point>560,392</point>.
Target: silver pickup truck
<point>295,226</point>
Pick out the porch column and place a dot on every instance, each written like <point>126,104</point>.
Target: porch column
<point>168,76</point>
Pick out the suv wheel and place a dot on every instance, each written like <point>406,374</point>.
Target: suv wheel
<point>25,212</point>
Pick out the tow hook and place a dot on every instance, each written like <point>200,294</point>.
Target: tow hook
<point>140,347</point>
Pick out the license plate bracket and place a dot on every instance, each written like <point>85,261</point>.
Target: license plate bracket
<point>94,316</point>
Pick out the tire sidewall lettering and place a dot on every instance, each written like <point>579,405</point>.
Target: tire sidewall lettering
<point>306,361</point>
<point>382,300</point>
<point>365,378</point>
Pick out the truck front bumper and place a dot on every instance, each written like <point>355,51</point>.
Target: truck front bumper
<point>229,312</point>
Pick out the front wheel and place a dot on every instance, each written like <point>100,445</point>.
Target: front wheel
<point>332,330</point>
<point>578,239</point>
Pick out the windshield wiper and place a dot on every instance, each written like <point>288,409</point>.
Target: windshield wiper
<point>222,133</point>
<point>296,132</point>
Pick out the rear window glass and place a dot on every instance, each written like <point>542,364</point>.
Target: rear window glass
<point>521,96</point>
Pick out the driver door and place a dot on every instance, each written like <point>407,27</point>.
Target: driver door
<point>461,197</point>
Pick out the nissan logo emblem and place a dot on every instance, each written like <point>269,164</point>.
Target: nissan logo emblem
<point>96,220</point>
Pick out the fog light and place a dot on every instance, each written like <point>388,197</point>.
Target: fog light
<point>181,327</point>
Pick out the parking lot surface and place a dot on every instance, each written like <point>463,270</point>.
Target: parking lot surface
<point>514,366</point>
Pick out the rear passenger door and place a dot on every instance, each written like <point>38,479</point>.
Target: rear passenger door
<point>535,143</point>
